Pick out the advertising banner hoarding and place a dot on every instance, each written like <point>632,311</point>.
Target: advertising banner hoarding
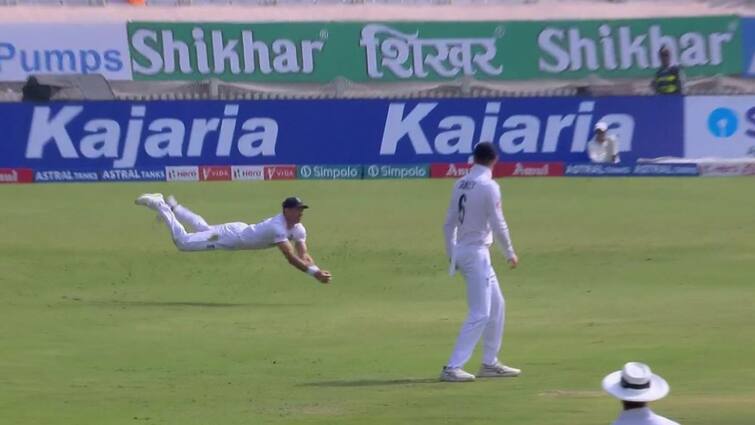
<point>315,52</point>
<point>62,48</point>
<point>148,135</point>
<point>719,126</point>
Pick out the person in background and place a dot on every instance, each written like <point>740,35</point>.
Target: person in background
<point>635,385</point>
<point>669,79</point>
<point>603,148</point>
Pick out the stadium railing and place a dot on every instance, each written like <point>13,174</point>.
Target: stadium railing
<point>341,88</point>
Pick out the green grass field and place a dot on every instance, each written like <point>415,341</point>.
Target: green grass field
<point>103,321</point>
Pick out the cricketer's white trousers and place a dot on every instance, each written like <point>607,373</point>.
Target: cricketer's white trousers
<point>486,307</point>
<point>205,237</point>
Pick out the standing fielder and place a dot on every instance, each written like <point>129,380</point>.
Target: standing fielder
<point>474,216</point>
<point>274,231</point>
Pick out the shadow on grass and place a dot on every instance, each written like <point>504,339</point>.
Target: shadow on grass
<point>115,303</point>
<point>372,382</point>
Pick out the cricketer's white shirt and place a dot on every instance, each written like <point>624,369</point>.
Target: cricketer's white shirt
<point>475,215</point>
<point>642,416</point>
<point>269,232</point>
<point>603,152</point>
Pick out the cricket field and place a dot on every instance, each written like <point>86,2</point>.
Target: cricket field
<point>103,321</point>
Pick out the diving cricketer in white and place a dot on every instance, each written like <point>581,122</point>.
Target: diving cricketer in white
<point>279,231</point>
<point>474,216</point>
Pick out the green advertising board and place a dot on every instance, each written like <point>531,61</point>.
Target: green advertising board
<point>629,48</point>
<point>396,171</point>
<point>430,51</point>
<point>328,172</point>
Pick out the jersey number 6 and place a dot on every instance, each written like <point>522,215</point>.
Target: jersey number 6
<point>462,211</point>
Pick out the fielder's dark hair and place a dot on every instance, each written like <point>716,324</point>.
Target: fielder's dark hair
<point>484,153</point>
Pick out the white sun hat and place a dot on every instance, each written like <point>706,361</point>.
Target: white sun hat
<point>635,382</point>
<point>601,126</point>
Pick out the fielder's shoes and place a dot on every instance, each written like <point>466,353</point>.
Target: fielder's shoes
<point>171,201</point>
<point>150,200</point>
<point>455,374</point>
<point>497,370</point>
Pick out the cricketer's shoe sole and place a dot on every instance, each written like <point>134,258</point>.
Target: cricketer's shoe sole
<point>493,374</point>
<point>171,201</point>
<point>451,378</point>
<point>150,200</point>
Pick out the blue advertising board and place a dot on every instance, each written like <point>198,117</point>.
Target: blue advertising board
<point>90,175</point>
<point>662,170</point>
<point>597,170</point>
<point>149,135</point>
<point>618,170</point>
<point>748,46</point>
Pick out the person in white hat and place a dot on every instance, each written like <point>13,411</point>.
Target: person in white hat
<point>636,385</point>
<point>603,148</point>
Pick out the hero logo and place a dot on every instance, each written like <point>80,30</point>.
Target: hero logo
<point>215,173</point>
<point>248,172</point>
<point>724,122</point>
<point>455,134</point>
<point>189,173</point>
<point>163,137</point>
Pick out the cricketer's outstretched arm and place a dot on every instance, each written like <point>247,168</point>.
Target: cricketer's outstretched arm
<point>303,253</point>
<point>287,250</point>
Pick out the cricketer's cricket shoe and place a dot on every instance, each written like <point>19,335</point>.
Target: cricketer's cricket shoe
<point>150,200</point>
<point>455,374</point>
<point>497,370</point>
<point>171,201</point>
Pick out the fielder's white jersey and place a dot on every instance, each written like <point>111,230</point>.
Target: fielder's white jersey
<point>268,233</point>
<point>603,152</point>
<point>474,214</point>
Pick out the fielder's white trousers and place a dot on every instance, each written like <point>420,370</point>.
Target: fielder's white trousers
<point>486,307</point>
<point>205,237</point>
